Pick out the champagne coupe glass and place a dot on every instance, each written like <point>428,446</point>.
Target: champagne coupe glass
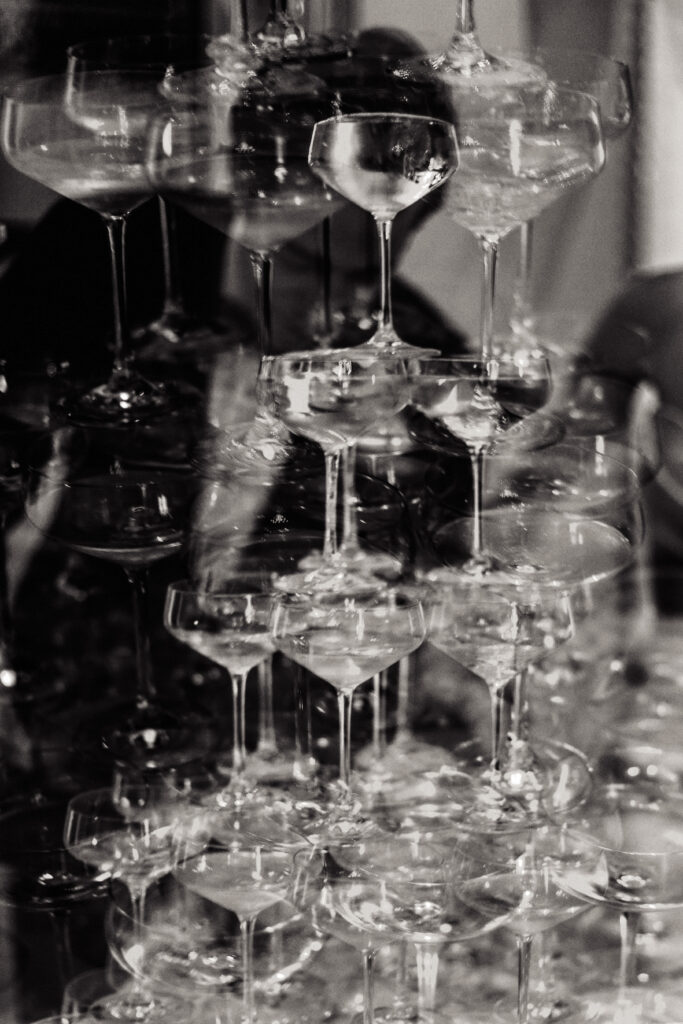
<point>192,948</point>
<point>333,398</point>
<point>249,180</point>
<point>519,152</point>
<point>84,136</point>
<point>609,81</point>
<point>346,641</point>
<point>230,625</point>
<point>175,332</point>
<point>133,833</point>
<point>88,493</point>
<point>248,881</point>
<point>518,876</point>
<point>628,844</point>
<point>496,631</point>
<point>472,402</point>
<point>384,162</point>
<point>375,891</point>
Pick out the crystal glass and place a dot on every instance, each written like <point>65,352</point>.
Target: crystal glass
<point>191,947</point>
<point>247,176</point>
<point>520,151</point>
<point>249,881</point>
<point>84,136</point>
<point>384,163</point>
<point>106,495</point>
<point>346,641</point>
<point>134,833</point>
<point>176,333</point>
<point>627,838</point>
<point>333,399</point>
<point>464,401</point>
<point>229,623</point>
<point>609,81</point>
<point>518,876</point>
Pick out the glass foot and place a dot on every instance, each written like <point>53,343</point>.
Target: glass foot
<point>124,399</point>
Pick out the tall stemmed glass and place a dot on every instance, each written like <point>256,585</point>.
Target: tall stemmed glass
<point>519,152</point>
<point>230,624</point>
<point>629,845</point>
<point>84,136</point>
<point>384,162</point>
<point>518,876</point>
<point>251,181</point>
<point>346,641</point>
<point>497,630</point>
<point>248,880</point>
<point>175,332</point>
<point>465,401</point>
<point>609,81</point>
<point>133,833</point>
<point>86,492</point>
<point>333,398</point>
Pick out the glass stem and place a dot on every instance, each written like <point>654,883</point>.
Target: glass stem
<point>247,936</point>
<point>524,943</point>
<point>477,457</point>
<point>332,463</point>
<point>427,973</point>
<point>403,699</point>
<point>344,706</point>
<point>138,579</point>
<point>386,322</point>
<point>498,724</point>
<point>368,986</point>
<point>262,270</point>
<point>6,618</point>
<point>267,743</point>
<point>378,718</point>
<point>61,934</point>
<point>304,762</point>
<point>629,924</point>
<point>239,749</point>
<point>349,542</point>
<point>464,17</point>
<point>327,281</point>
<point>489,252</point>
<point>172,293</point>
<point>116,231</point>
<point>521,299</point>
<point>519,705</point>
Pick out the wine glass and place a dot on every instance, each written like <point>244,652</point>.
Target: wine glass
<point>384,163</point>
<point>346,641</point>
<point>518,876</point>
<point>609,81</point>
<point>175,333</point>
<point>192,948</point>
<point>519,152</point>
<point>246,175</point>
<point>496,631</point>
<point>333,398</point>
<point>102,494</point>
<point>465,401</point>
<point>249,881</point>
<point>627,838</point>
<point>133,833</point>
<point>230,624</point>
<point>84,136</point>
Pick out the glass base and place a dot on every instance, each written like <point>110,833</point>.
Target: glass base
<point>126,398</point>
<point>341,580</point>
